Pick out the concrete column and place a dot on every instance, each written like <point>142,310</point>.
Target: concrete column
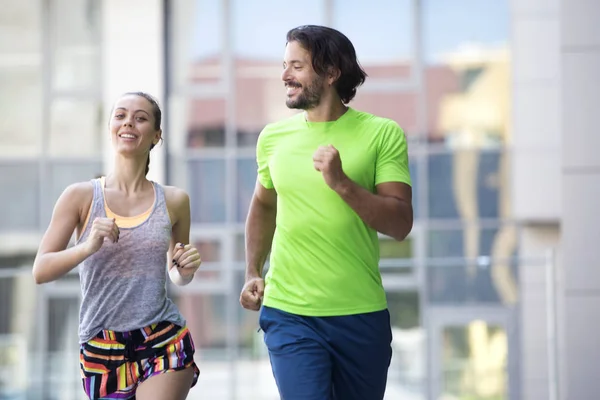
<point>132,43</point>
<point>535,166</point>
<point>580,92</point>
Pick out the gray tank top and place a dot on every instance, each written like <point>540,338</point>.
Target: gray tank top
<point>123,284</point>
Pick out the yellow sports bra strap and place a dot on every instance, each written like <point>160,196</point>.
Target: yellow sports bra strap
<point>124,222</point>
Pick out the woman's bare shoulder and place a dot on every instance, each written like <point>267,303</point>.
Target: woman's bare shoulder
<point>178,203</point>
<point>176,197</point>
<point>80,190</point>
<point>78,195</point>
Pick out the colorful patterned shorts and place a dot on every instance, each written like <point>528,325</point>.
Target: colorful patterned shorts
<point>113,363</point>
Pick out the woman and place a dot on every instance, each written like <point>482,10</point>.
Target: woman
<point>130,333</point>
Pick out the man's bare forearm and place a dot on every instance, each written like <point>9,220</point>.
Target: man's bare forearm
<point>386,214</point>
<point>260,228</point>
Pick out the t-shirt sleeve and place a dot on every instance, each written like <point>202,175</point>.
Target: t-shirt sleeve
<point>262,160</point>
<point>392,157</point>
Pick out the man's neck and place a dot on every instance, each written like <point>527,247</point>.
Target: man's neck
<point>326,112</point>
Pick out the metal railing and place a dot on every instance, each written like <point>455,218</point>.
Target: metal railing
<point>39,351</point>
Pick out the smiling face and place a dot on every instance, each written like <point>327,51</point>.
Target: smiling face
<point>304,86</point>
<point>133,125</point>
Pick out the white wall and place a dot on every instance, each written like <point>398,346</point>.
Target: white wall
<point>536,172</point>
<point>536,109</point>
<point>580,66</point>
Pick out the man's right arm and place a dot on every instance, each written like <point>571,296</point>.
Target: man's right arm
<point>260,228</point>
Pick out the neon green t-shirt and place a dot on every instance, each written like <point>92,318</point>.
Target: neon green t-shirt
<point>324,259</point>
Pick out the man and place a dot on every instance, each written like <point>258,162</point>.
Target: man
<point>329,179</point>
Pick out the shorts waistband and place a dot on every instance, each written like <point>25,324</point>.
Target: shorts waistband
<point>139,335</point>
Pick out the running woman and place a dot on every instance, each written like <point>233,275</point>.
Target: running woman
<point>134,343</point>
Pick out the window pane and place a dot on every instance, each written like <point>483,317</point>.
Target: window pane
<point>63,321</point>
<point>61,174</point>
<point>253,368</point>
<point>392,249</point>
<point>259,30</point>
<point>240,247</point>
<point>468,184</point>
<point>206,123</point>
<point>195,42</point>
<point>402,106</point>
<point>473,48</point>
<point>447,28</point>
<point>488,272</point>
<point>395,256</point>
<point>18,311</point>
<point>80,139</point>
<point>206,183</point>
<point>206,318</point>
<point>210,252</point>
<point>474,362</point>
<point>471,284</point>
<point>260,26</point>
<point>20,111</point>
<point>471,241</point>
<point>20,78</point>
<point>406,375</point>
<point>76,44</point>
<point>22,20</point>
<point>380,55</point>
<point>64,173</point>
<point>195,123</point>
<point>19,196</point>
<point>441,83</point>
<point>415,176</point>
<point>246,177</point>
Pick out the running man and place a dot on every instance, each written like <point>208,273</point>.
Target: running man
<point>329,179</point>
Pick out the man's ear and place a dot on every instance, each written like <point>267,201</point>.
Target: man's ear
<point>333,74</point>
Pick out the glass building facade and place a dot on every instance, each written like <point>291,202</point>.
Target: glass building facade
<point>442,74</point>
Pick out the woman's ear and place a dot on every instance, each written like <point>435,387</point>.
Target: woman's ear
<point>158,137</point>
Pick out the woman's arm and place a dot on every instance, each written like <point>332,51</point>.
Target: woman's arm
<point>178,204</point>
<point>53,259</point>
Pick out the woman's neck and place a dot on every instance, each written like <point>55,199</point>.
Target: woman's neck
<point>128,175</point>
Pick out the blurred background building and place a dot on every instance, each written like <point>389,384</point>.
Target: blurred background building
<point>487,92</point>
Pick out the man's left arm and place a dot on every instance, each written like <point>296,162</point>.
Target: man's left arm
<point>388,210</point>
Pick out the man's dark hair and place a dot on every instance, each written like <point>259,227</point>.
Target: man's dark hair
<point>330,48</point>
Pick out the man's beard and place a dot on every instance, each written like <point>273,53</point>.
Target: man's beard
<point>309,97</point>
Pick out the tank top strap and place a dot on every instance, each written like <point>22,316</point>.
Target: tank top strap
<point>160,195</point>
<point>161,202</point>
<point>98,200</point>
<point>96,209</point>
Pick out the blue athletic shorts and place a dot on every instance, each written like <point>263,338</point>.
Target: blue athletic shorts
<point>328,358</point>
